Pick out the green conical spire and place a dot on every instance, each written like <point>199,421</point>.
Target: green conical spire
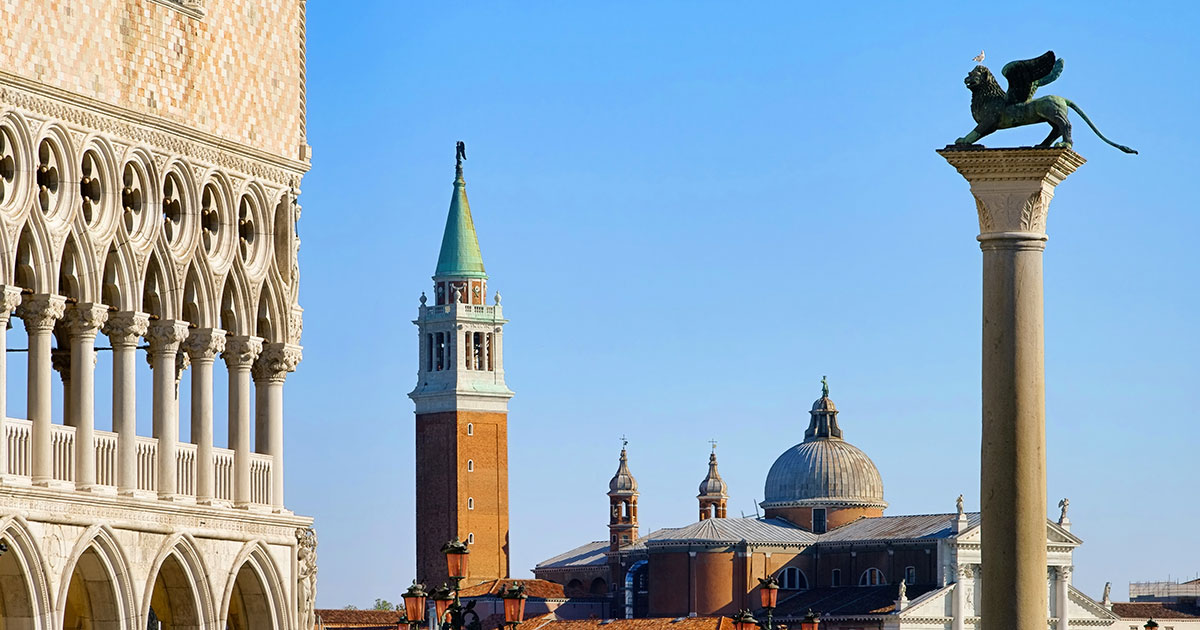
<point>460,256</point>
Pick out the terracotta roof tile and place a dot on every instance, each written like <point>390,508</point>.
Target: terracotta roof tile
<point>846,600</point>
<point>659,623</point>
<point>337,617</point>
<point>1155,610</point>
<point>539,589</point>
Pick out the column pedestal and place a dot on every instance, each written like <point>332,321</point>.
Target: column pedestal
<point>1012,190</point>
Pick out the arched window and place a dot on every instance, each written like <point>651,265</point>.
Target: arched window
<point>792,579</point>
<point>471,538</point>
<point>599,587</point>
<point>910,575</point>
<point>470,429</point>
<point>871,577</point>
<point>835,577</point>
<point>470,503</point>
<point>470,465</point>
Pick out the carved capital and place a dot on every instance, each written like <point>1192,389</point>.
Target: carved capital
<point>965,572</point>
<point>204,344</point>
<point>41,312</point>
<point>241,351</point>
<point>85,319</point>
<point>124,328</point>
<point>60,361</point>
<point>10,298</point>
<point>1013,187</point>
<point>165,336</point>
<point>276,360</point>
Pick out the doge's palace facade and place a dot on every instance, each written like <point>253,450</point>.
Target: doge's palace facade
<point>151,153</point>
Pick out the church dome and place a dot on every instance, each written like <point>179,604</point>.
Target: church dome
<point>824,469</point>
<point>622,482</point>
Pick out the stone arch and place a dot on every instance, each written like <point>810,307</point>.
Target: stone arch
<point>32,267</point>
<point>254,596</point>
<point>270,323</point>
<point>160,291</point>
<point>73,278</point>
<point>872,577</point>
<point>54,150</point>
<point>252,209</point>
<point>218,225</point>
<point>198,308</point>
<point>573,587</point>
<point>96,589</point>
<point>234,314</point>
<point>16,165</point>
<point>178,587</point>
<point>24,585</point>
<point>98,174</point>
<point>599,586</point>
<point>118,285</point>
<point>138,179</point>
<point>177,183</point>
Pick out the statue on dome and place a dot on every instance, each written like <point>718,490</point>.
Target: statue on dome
<point>824,387</point>
<point>460,152</point>
<point>959,506</point>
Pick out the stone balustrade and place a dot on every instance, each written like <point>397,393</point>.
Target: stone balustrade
<point>18,435</point>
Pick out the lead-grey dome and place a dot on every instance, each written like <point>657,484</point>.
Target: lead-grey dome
<point>824,469</point>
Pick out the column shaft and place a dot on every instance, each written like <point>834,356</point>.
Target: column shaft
<point>270,371</point>
<point>202,347</point>
<point>40,312</point>
<point>10,297</point>
<point>1062,593</point>
<point>124,329</point>
<point>240,353</point>
<point>83,321</point>
<point>165,337</point>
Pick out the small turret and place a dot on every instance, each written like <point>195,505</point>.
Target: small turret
<point>622,500</point>
<point>713,491</point>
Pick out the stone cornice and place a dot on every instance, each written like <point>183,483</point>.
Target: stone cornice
<point>156,131</point>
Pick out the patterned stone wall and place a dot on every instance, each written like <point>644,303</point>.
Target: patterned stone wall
<point>229,68</point>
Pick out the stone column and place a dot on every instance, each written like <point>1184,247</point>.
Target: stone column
<point>270,371</point>
<point>1062,590</point>
<point>1012,190</point>
<point>239,355</point>
<point>962,590</point>
<point>60,361</point>
<point>124,329</point>
<point>82,322</point>
<point>164,337</point>
<point>203,346</point>
<point>40,313</point>
<point>10,297</point>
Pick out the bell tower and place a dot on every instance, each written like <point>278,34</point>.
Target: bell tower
<point>622,504</point>
<point>461,408</point>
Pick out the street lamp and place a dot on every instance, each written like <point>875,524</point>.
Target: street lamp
<point>456,560</point>
<point>744,621</point>
<point>414,605</point>
<point>451,613</point>
<point>1151,624</point>
<point>514,605</point>
<point>442,598</point>
<point>810,621</point>
<point>768,591</point>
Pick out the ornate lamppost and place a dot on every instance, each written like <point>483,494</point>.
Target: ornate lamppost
<point>414,605</point>
<point>514,605</point>
<point>768,591</point>
<point>452,615</point>
<point>810,621</point>
<point>744,621</point>
<point>1151,624</point>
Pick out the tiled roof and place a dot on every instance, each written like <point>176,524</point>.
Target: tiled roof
<point>653,623</point>
<point>920,526</point>
<point>733,530</point>
<point>1155,610</point>
<point>540,589</point>
<point>340,618</point>
<point>847,600</point>
<point>589,554</point>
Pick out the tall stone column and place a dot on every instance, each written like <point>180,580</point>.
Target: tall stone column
<point>10,297</point>
<point>82,322</point>
<point>60,361</point>
<point>1062,592</point>
<point>124,329</point>
<point>962,592</point>
<point>164,337</point>
<point>203,346</point>
<point>40,313</point>
<point>239,355</point>
<point>270,371</point>
<point>1012,190</point>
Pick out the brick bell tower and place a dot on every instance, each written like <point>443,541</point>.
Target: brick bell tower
<point>461,408</point>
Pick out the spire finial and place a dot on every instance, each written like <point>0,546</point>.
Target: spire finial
<point>624,441</point>
<point>824,387</point>
<point>460,154</point>
<point>714,445</point>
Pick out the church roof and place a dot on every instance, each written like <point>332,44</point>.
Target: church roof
<point>592,553</point>
<point>460,256</point>
<point>734,530</point>
<point>713,486</point>
<point>846,601</point>
<point>622,483</point>
<point>914,527</point>
<point>1156,610</point>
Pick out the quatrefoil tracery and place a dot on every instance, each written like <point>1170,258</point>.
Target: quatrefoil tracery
<point>47,176</point>
<point>91,186</point>
<point>172,207</point>
<point>133,187</point>
<point>8,166</point>
<point>245,228</point>
<point>210,218</point>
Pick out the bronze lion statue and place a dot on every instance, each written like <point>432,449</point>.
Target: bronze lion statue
<point>993,108</point>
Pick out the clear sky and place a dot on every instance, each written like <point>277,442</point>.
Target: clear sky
<point>694,211</point>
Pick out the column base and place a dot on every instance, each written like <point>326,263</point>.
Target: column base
<point>14,480</point>
<point>96,489</point>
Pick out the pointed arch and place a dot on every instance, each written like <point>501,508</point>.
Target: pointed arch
<point>24,577</point>
<point>74,279</point>
<point>178,586</point>
<point>18,138</point>
<point>33,267</point>
<point>97,572</point>
<point>270,321</point>
<point>118,284</point>
<point>156,290</point>
<point>234,313</point>
<point>198,306</point>
<point>254,595</point>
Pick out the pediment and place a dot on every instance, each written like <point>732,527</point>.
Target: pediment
<point>1055,535</point>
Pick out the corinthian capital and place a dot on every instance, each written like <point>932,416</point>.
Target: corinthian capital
<point>205,343</point>
<point>124,328</point>
<point>10,298</point>
<point>276,360</point>
<point>165,336</point>
<point>241,351</point>
<point>85,319</point>
<point>41,312</point>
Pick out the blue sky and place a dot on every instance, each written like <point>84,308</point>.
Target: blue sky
<point>694,211</point>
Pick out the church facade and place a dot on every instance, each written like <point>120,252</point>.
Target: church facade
<point>151,154</point>
<point>823,537</point>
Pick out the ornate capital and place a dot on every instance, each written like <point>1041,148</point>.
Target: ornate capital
<point>1013,187</point>
<point>205,343</point>
<point>965,572</point>
<point>124,328</point>
<point>165,336</point>
<point>60,361</point>
<point>241,351</point>
<point>276,360</point>
<point>85,319</point>
<point>10,298</point>
<point>41,312</point>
